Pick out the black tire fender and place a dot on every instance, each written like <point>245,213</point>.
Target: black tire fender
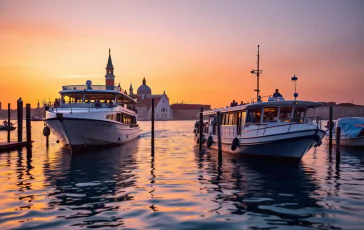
<point>209,141</point>
<point>235,143</point>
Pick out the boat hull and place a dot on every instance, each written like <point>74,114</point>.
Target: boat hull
<point>84,133</point>
<point>354,142</point>
<point>289,146</point>
<point>6,128</point>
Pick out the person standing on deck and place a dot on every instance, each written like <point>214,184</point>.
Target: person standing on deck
<point>277,94</point>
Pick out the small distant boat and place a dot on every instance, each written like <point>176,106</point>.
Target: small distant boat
<point>6,127</point>
<point>36,118</point>
<point>352,131</point>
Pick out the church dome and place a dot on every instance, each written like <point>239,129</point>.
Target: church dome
<point>144,89</point>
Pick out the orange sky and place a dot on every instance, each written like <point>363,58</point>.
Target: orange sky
<point>199,52</point>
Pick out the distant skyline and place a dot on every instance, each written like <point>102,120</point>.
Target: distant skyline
<point>197,51</point>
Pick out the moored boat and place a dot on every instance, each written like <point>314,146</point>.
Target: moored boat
<point>352,131</point>
<point>270,129</point>
<point>93,115</point>
<point>277,128</point>
<point>7,127</point>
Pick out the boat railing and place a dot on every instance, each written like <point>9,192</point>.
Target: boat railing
<point>84,87</point>
<point>258,99</point>
<point>87,105</point>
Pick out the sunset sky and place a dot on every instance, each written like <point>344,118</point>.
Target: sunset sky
<point>197,51</point>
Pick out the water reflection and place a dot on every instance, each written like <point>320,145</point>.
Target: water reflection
<point>92,183</point>
<point>277,193</point>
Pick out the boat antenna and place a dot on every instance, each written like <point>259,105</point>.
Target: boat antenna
<point>257,72</point>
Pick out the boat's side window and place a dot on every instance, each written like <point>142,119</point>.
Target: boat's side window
<point>225,119</point>
<point>232,119</point>
<point>254,115</point>
<point>270,114</point>
<point>127,119</point>
<point>111,117</point>
<point>299,114</point>
<point>118,117</point>
<point>285,114</point>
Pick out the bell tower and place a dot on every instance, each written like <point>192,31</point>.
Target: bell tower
<point>109,77</point>
<point>131,90</point>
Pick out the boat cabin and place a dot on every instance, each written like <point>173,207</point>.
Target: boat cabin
<point>97,96</point>
<point>238,120</point>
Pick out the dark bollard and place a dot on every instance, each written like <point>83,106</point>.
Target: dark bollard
<point>152,127</point>
<point>200,128</point>
<point>330,130</point>
<point>28,124</point>
<point>20,119</point>
<point>219,150</point>
<point>338,136</point>
<point>9,122</point>
<point>46,133</point>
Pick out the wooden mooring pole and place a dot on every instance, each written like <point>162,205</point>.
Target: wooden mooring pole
<point>28,124</point>
<point>20,119</point>
<point>219,150</point>
<point>9,122</point>
<point>338,136</point>
<point>152,127</point>
<point>200,129</point>
<point>330,130</point>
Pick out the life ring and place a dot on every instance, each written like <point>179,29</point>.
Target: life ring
<point>209,142</point>
<point>234,144</point>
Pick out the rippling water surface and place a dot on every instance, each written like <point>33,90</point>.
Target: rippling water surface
<point>124,187</point>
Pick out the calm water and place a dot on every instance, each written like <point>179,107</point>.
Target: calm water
<point>124,187</point>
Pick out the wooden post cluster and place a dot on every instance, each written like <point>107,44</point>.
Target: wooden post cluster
<point>330,130</point>
<point>338,136</point>
<point>152,127</point>
<point>219,150</point>
<point>200,129</point>
<point>9,122</point>
<point>20,119</point>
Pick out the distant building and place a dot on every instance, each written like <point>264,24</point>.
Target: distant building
<point>1,106</point>
<point>339,110</point>
<point>144,96</point>
<point>187,111</point>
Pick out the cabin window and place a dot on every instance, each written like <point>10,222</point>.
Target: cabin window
<point>118,117</point>
<point>111,117</point>
<point>243,115</point>
<point>285,114</point>
<point>232,118</point>
<point>254,115</point>
<point>299,114</point>
<point>270,114</point>
<point>225,119</point>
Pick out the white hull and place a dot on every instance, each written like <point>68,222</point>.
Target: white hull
<point>292,145</point>
<point>79,133</point>
<point>354,142</point>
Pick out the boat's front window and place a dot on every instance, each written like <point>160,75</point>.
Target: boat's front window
<point>254,115</point>
<point>285,114</point>
<point>270,114</point>
<point>299,114</point>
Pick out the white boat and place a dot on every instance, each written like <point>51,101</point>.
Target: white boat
<point>352,131</point>
<point>276,128</point>
<point>87,116</point>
